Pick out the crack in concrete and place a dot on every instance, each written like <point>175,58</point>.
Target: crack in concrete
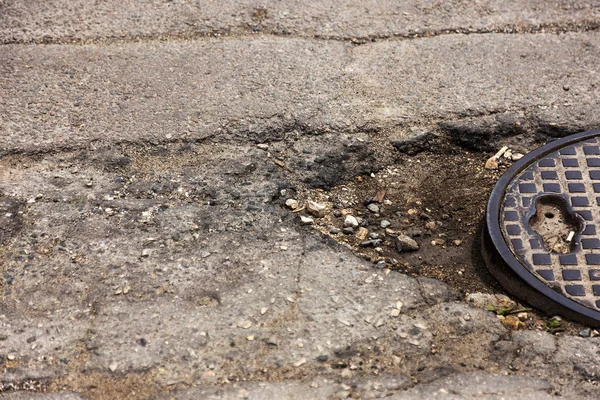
<point>239,33</point>
<point>274,134</point>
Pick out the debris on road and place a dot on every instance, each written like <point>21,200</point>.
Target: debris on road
<point>350,221</point>
<point>492,162</point>
<point>291,203</point>
<point>405,243</point>
<point>317,209</point>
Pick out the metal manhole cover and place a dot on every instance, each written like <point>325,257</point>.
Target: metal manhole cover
<point>542,236</point>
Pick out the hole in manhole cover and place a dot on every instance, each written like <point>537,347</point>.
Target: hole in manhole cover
<point>542,238</point>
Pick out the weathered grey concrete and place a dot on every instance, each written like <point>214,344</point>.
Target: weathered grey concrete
<point>80,20</point>
<point>261,89</point>
<point>144,245</point>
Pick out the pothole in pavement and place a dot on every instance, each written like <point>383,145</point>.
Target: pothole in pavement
<point>543,213</point>
<point>422,215</point>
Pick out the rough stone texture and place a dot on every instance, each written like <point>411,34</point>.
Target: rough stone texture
<point>144,246</point>
<point>80,20</point>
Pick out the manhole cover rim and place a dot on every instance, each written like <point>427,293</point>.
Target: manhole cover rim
<point>492,221</point>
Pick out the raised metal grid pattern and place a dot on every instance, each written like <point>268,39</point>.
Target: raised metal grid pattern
<point>572,172</point>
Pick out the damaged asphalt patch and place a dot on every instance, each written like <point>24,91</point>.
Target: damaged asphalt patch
<point>150,263</point>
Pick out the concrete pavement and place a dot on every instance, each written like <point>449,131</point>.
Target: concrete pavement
<point>144,246</point>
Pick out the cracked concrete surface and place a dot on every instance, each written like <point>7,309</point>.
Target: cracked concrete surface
<point>262,88</point>
<point>80,21</point>
<point>144,245</point>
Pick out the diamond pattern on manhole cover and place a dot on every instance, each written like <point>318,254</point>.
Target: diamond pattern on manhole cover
<point>542,224</point>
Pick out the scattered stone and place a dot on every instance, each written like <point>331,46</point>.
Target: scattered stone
<point>300,362</point>
<point>517,156</point>
<point>306,220</point>
<point>350,221</point>
<point>374,208</point>
<point>371,243</point>
<point>337,213</point>
<point>244,324</point>
<point>317,209</point>
<point>348,231</point>
<point>373,235</point>
<point>264,310</point>
<point>492,162</point>
<point>322,357</point>
<point>272,341</point>
<point>113,367</point>
<point>385,223</point>
<point>146,252</point>
<point>263,146</point>
<point>291,204</point>
<point>438,242</point>
<point>405,243</point>
<point>424,216</point>
<point>250,338</point>
<point>586,332</point>
<point>523,316</point>
<point>413,211</point>
<point>362,233</point>
<point>431,225</point>
<point>334,231</point>
<point>11,357</point>
<point>457,242</point>
<point>395,312</point>
<point>594,333</point>
<point>511,321</point>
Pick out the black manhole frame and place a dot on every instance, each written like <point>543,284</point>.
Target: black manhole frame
<point>496,250</point>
